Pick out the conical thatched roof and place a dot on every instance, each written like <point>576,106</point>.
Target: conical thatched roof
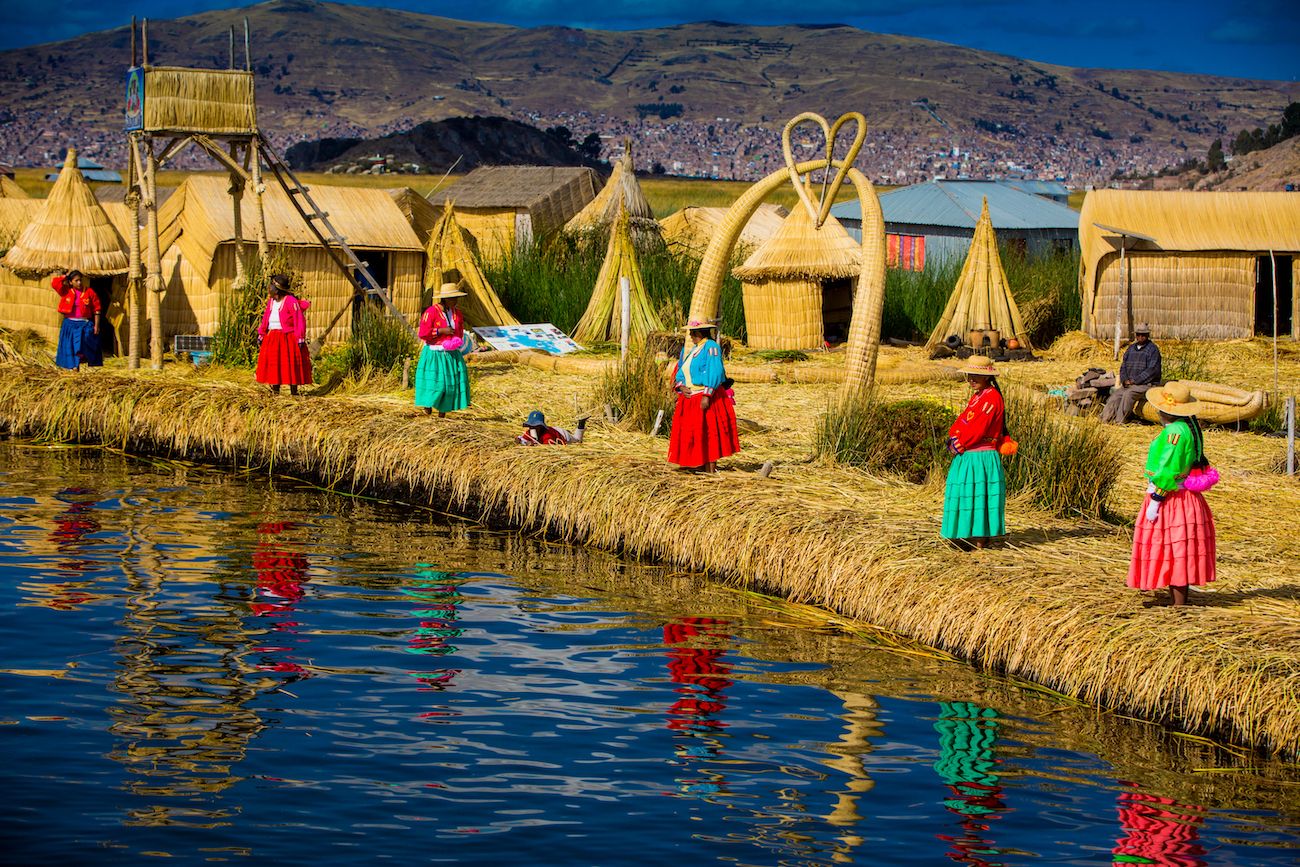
<point>451,259</point>
<point>800,251</point>
<point>71,231</point>
<point>622,190</point>
<point>688,231</point>
<point>10,190</point>
<point>981,299</point>
<point>602,320</point>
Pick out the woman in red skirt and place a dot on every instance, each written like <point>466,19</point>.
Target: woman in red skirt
<point>282,358</point>
<point>1173,543</point>
<point>704,422</point>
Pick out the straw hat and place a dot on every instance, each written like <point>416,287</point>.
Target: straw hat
<point>449,290</point>
<point>701,325</point>
<point>1142,328</point>
<point>1173,398</point>
<point>980,365</point>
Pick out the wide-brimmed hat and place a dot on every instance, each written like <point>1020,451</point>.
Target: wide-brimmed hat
<point>980,365</point>
<point>1142,328</point>
<point>449,290</point>
<point>535,419</point>
<point>701,325</point>
<point>1173,398</point>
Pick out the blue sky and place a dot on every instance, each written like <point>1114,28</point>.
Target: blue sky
<point>1246,38</point>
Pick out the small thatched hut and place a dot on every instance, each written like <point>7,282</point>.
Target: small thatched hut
<point>506,207</point>
<point>1195,265</point>
<point>68,229</point>
<point>688,231</point>
<point>622,193</point>
<point>798,287</point>
<point>452,259</point>
<point>982,299</point>
<point>197,233</point>
<point>603,318</point>
<point>9,188</point>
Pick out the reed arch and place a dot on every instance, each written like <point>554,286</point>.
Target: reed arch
<point>869,296</point>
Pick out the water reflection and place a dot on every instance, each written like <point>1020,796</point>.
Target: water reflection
<point>68,537</point>
<point>281,572</point>
<point>696,716</point>
<point>1158,830</point>
<point>438,599</point>
<point>860,727</point>
<point>968,735</point>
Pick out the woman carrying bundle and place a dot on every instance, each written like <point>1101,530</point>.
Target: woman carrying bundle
<point>1173,542</point>
<point>704,421</point>
<point>442,377</point>
<point>975,496</point>
<point>282,358</point>
<point>79,333</point>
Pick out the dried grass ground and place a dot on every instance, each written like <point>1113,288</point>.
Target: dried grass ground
<point>1050,606</point>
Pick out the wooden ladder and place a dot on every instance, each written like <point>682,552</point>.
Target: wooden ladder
<point>335,244</point>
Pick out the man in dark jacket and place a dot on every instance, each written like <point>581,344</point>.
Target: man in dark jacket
<point>1138,372</point>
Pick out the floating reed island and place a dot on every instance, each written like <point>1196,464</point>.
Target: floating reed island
<point>1050,607</point>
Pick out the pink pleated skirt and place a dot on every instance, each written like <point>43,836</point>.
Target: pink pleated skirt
<point>1178,549</point>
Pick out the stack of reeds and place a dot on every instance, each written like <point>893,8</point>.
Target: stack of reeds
<point>71,231</point>
<point>452,259</point>
<point>602,320</point>
<point>783,281</point>
<point>982,299</point>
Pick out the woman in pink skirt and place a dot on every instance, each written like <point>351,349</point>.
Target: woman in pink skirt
<point>1173,543</point>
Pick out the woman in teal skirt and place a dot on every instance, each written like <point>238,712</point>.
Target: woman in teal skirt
<point>975,497</point>
<point>442,378</point>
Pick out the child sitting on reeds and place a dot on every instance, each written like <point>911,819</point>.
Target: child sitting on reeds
<point>538,433</point>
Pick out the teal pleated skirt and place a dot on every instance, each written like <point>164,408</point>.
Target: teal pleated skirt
<point>441,381</point>
<point>975,497</point>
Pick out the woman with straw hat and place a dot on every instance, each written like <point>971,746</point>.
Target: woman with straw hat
<point>282,358</point>
<point>704,420</point>
<point>442,377</point>
<point>1173,542</point>
<point>79,333</point>
<point>975,495</point>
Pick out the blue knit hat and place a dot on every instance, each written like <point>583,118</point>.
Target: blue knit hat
<point>535,419</point>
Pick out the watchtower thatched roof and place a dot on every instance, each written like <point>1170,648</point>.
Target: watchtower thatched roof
<point>70,231</point>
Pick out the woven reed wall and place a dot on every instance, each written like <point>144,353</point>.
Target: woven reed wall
<point>492,228</point>
<point>406,282</point>
<point>783,314</point>
<point>190,305</point>
<point>1185,296</point>
<point>199,100</point>
<point>30,304</point>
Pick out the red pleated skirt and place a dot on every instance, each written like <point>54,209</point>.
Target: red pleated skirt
<point>700,436</point>
<point>283,361</point>
<point>1178,549</point>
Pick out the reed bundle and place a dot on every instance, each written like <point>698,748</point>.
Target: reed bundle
<point>602,320</point>
<point>620,193</point>
<point>1050,607</point>
<point>71,231</point>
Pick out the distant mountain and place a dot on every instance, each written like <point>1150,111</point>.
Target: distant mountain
<point>467,142</point>
<point>700,98</point>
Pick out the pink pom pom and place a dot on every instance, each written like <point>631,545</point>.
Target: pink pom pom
<point>1201,480</point>
<point>451,344</point>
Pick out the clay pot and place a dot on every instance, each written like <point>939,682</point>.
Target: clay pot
<point>1012,343</point>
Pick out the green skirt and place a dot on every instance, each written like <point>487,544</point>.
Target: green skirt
<point>441,381</point>
<point>975,498</point>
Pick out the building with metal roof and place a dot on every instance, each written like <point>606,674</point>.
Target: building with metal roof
<point>91,171</point>
<point>934,222</point>
<point>1053,190</point>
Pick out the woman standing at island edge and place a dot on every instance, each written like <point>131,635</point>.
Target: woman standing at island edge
<point>442,377</point>
<point>282,358</point>
<point>704,421</point>
<point>79,333</point>
<point>975,495</point>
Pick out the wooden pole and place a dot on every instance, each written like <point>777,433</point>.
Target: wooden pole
<point>144,42</point>
<point>1290,435</point>
<point>625,315</point>
<point>133,199</point>
<point>153,281</point>
<point>248,57</point>
<point>134,51</point>
<point>232,47</point>
<point>1123,290</point>
<point>259,213</point>
<point>236,191</point>
<point>1273,261</point>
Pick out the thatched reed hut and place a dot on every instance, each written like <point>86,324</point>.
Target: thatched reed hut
<point>982,298</point>
<point>419,211</point>
<point>197,234</point>
<point>452,258</point>
<point>9,188</point>
<point>798,287</point>
<point>603,318</point>
<point>506,207</point>
<point>1195,265</point>
<point>622,193</point>
<point>68,229</point>
<point>688,231</point>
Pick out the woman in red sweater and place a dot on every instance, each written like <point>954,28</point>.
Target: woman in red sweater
<point>79,333</point>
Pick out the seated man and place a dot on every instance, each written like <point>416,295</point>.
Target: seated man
<point>537,433</point>
<point>1139,371</point>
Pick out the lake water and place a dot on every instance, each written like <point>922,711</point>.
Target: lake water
<point>213,666</point>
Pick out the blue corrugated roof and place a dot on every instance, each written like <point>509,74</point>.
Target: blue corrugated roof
<point>1038,188</point>
<point>957,204</point>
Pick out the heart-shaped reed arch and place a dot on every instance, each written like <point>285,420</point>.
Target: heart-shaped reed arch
<point>869,297</point>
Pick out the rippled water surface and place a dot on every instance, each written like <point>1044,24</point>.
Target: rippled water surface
<point>211,667</point>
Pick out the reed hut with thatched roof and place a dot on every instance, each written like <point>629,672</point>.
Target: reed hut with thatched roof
<point>9,188</point>
<point>798,286</point>
<point>506,207</point>
<point>68,229</point>
<point>688,231</point>
<point>452,258</point>
<point>602,321</point>
<point>1193,264</point>
<point>197,235</point>
<point>981,301</point>
<point>622,193</point>
<point>419,211</point>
